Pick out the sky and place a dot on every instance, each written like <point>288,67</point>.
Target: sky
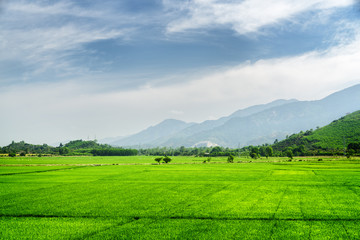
<point>94,69</point>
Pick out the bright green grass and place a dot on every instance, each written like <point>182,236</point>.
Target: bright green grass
<point>11,170</point>
<point>102,160</point>
<point>279,200</point>
<point>88,160</point>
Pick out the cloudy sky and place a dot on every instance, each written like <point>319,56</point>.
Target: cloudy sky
<point>105,68</point>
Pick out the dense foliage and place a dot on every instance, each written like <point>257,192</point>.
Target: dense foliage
<point>76,147</point>
<point>332,139</point>
<point>26,148</point>
<point>114,152</point>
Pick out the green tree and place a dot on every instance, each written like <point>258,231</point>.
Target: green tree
<point>158,160</point>
<point>262,151</point>
<point>350,152</point>
<point>166,159</point>
<point>354,146</point>
<point>289,154</point>
<point>269,151</point>
<point>63,150</point>
<point>216,151</point>
<point>254,152</point>
<point>230,159</point>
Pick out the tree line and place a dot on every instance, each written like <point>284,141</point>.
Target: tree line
<point>289,148</point>
<point>76,147</point>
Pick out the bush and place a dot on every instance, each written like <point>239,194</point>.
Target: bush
<point>114,152</point>
<point>12,154</point>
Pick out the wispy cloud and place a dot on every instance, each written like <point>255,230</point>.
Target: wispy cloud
<point>245,16</point>
<point>45,37</point>
<point>42,36</point>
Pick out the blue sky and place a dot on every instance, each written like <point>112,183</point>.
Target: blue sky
<point>80,69</point>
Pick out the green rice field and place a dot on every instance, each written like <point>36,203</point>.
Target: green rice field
<point>134,198</point>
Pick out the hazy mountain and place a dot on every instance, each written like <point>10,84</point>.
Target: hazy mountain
<point>174,132</point>
<point>251,126</point>
<point>185,137</point>
<point>153,134</point>
<point>277,122</point>
<point>259,108</point>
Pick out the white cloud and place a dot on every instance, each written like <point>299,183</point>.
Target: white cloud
<point>245,16</point>
<point>56,111</point>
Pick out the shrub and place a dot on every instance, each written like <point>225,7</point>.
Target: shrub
<point>12,154</point>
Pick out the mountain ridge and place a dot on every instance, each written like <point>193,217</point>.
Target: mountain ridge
<point>186,131</point>
<point>254,125</point>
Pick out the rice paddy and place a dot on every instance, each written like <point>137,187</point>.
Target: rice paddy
<point>112,198</point>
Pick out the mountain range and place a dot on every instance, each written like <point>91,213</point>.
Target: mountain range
<point>254,125</point>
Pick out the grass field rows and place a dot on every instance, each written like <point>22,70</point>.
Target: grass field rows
<point>262,200</point>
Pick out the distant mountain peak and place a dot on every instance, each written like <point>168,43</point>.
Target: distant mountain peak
<point>253,125</point>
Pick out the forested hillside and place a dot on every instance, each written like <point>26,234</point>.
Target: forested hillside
<point>332,138</point>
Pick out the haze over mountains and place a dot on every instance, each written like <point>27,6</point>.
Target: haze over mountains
<point>255,125</point>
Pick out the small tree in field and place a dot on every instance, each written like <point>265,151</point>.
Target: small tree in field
<point>158,160</point>
<point>166,159</point>
<point>230,159</point>
<point>289,154</point>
